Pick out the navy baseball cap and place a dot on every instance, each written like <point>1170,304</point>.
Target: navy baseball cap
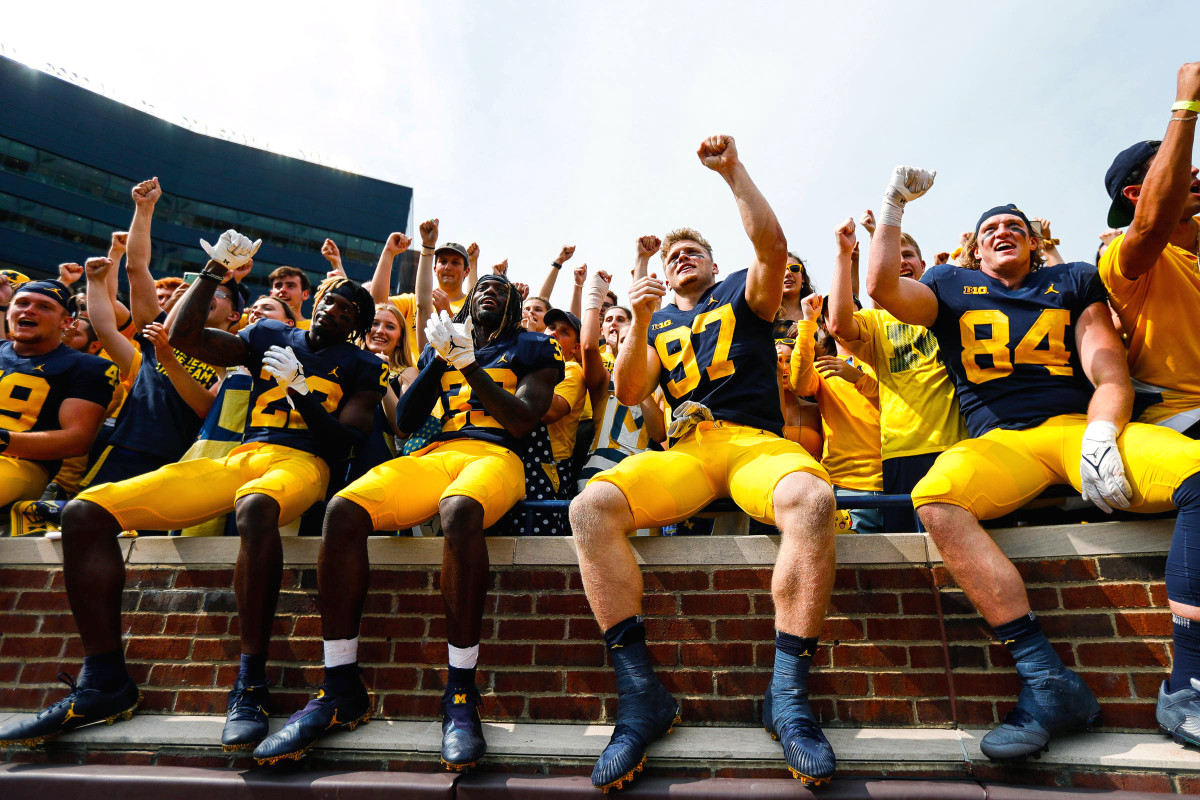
<point>558,315</point>
<point>1128,161</point>
<point>457,249</point>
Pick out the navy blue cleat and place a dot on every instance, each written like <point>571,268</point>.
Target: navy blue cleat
<point>789,718</point>
<point>1052,702</point>
<point>82,706</point>
<point>246,714</point>
<point>646,711</point>
<point>462,732</point>
<point>1178,713</point>
<point>325,713</point>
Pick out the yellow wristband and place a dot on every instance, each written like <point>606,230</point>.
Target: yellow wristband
<point>1186,105</point>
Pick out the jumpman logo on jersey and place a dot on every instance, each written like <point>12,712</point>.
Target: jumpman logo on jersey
<point>1010,641</point>
<point>1051,290</point>
<point>38,368</point>
<point>333,372</point>
<point>712,300</point>
<point>503,359</point>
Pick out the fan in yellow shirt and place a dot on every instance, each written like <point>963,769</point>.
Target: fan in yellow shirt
<point>562,420</point>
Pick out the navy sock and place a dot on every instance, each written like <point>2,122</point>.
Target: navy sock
<point>1186,663</point>
<point>253,669</point>
<point>342,679</point>
<point>793,657</point>
<point>460,678</point>
<point>628,631</point>
<point>1183,576</point>
<point>1028,644</point>
<point>104,671</point>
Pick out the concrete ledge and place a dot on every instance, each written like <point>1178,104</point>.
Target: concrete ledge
<point>1054,541</point>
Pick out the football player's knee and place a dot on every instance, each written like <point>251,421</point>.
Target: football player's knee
<point>598,508</point>
<point>256,515</point>
<point>83,517</point>
<point>462,517</point>
<point>344,517</point>
<point>806,495</point>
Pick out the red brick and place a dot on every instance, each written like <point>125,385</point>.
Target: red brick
<point>961,656</point>
<point>994,683</point>
<point>137,759</point>
<point>742,579</point>
<point>25,578</point>
<point>976,712</point>
<point>179,760</point>
<point>956,603</point>
<point>43,601</point>
<point>1108,683</point>
<point>226,649</point>
<point>564,707</point>
<point>420,652</point>
<point>409,705</point>
<point>968,629</point>
<point>514,604</point>
<point>677,629</point>
<point>8,600</point>
<point>747,629</point>
<point>1017,774</point>
<point>590,654</point>
<point>370,651</point>
<point>391,626</point>
<point>569,605</point>
<point>839,628</point>
<point>876,712</point>
<point>1129,782</point>
<point>917,603</point>
<point>933,712</point>
<point>1147,684</point>
<point>1043,598</point>
<point>711,654</point>
<point>583,629</point>
<point>1123,654</point>
<point>1138,715</point>
<point>1077,626</point>
<point>1158,595</point>
<point>764,605</point>
<point>742,683</point>
<point>909,684</point>
<point>869,655</point>
<point>1144,623</point>
<point>717,711</point>
<point>716,605</point>
<point>1058,571</point>
<point>391,580</point>
<point>538,628</point>
<point>158,648</point>
<point>1105,595</point>
<point>196,701</point>
<point>182,675</point>
<point>410,603</point>
<point>149,578</point>
<point>389,678</point>
<point>309,626</point>
<point>893,578</point>
<point>845,579</point>
<point>872,603</point>
<point>660,605</point>
<point>25,623</point>
<point>528,580</point>
<point>9,671</point>
<point>839,683</point>
<point>193,577</point>
<point>31,646</point>
<point>663,654</point>
<point>904,629</point>
<point>504,706</point>
<point>507,680</point>
<point>40,672</point>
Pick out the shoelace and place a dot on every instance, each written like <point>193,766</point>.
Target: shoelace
<point>241,703</point>
<point>69,680</point>
<point>1018,717</point>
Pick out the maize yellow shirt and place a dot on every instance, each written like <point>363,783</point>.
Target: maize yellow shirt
<point>1158,313</point>
<point>918,411</point>
<point>562,431</point>
<point>407,303</point>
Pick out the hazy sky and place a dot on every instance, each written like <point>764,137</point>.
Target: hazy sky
<point>526,125</point>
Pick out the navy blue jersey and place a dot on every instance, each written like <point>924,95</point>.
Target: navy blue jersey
<point>1011,352</point>
<point>720,354</point>
<point>32,388</point>
<point>332,373</point>
<point>507,361</point>
<point>155,419</point>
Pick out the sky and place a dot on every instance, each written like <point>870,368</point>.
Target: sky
<point>524,126</point>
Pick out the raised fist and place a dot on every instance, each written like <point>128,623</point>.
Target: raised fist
<point>147,193</point>
<point>909,183</point>
<point>867,220</point>
<point>846,240</point>
<point>645,296</point>
<point>648,246</point>
<point>96,268</point>
<point>501,268</point>
<point>1107,236</point>
<point>473,253</point>
<point>718,153</point>
<point>522,289</point>
<point>810,307</point>
<point>565,254</point>
<point>1045,223</point>
<point>429,232</point>
<point>332,254</point>
<point>70,272</point>
<point>120,241</point>
<point>232,250</point>
<point>580,274</point>
<point>396,244</point>
<point>1189,82</point>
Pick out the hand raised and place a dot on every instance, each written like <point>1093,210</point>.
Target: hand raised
<point>119,242</point>
<point>331,253</point>
<point>718,153</point>
<point>397,243</point>
<point>96,269</point>
<point>580,274</point>
<point>645,296</point>
<point>909,183</point>
<point>564,255</point>
<point>147,193</point>
<point>429,232</point>
<point>846,240</point>
<point>810,307</point>
<point>867,220</point>
<point>648,246</point>
<point>473,253</point>
<point>501,268</point>
<point>522,289</point>
<point>70,272</point>
<point>232,250</point>
<point>1189,82</point>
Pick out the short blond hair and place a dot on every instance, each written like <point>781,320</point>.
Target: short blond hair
<point>967,260</point>
<point>907,239</point>
<point>685,235</point>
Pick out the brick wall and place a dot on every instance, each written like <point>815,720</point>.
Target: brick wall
<point>710,627</point>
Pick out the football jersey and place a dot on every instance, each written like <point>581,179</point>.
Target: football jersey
<point>33,388</point>
<point>1155,311</point>
<point>1011,352</point>
<point>507,361</point>
<point>918,410</point>
<point>720,354</point>
<point>407,305</point>
<point>333,374</point>
<point>619,429</point>
<point>155,419</point>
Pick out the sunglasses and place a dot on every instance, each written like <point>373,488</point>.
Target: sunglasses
<point>788,341</point>
<point>794,268</point>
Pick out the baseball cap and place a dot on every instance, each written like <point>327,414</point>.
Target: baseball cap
<point>558,315</point>
<point>1120,213</point>
<point>455,247</point>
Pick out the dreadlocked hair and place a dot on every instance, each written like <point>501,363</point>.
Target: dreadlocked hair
<point>510,321</point>
<point>364,304</point>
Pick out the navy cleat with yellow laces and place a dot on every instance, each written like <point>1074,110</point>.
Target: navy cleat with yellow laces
<point>83,706</point>
<point>462,732</point>
<point>247,709</point>
<point>325,713</point>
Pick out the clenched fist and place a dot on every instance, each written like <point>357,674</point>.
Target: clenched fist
<point>718,153</point>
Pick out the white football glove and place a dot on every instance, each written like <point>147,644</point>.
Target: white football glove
<point>282,364</point>
<point>1101,473</point>
<point>232,249</point>
<point>594,292</point>
<point>452,342</point>
<point>908,183</point>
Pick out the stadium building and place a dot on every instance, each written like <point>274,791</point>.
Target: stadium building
<point>69,157</point>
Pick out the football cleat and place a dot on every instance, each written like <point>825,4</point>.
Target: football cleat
<point>462,732</point>
<point>1050,704</point>
<point>325,713</point>
<point>246,714</point>
<point>82,706</point>
<point>1178,713</point>
<point>35,517</point>
<point>646,711</point>
<point>789,719</point>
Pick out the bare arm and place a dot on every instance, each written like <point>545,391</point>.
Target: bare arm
<point>595,375</point>
<point>1159,208</point>
<point>636,371</point>
<point>1106,365</point>
<point>564,255</point>
<point>647,246</point>
<point>518,412</point>
<point>653,419</point>
<point>188,333</point>
<point>839,312</point>
<point>424,282</point>
<point>78,420</point>
<point>472,267</point>
<point>143,299</point>
<point>116,251</point>
<point>577,290</point>
<point>198,398</point>
<point>764,284</point>
<point>381,281</point>
<point>103,317</point>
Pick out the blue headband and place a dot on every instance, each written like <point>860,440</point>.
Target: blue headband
<point>1006,209</point>
<point>53,289</point>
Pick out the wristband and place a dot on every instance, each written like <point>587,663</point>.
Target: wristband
<point>5,438</point>
<point>427,250</point>
<point>1186,105</point>
<point>206,275</point>
<point>1192,118</point>
<point>556,265</point>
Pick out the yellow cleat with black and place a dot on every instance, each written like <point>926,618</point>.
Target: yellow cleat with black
<point>83,706</point>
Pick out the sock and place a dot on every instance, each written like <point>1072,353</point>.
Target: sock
<point>629,631</point>
<point>339,652</point>
<point>1182,577</point>
<point>104,671</point>
<point>793,657</point>
<point>1028,644</point>
<point>463,661</point>
<point>1186,664</point>
<point>253,669</point>
<point>342,679</point>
